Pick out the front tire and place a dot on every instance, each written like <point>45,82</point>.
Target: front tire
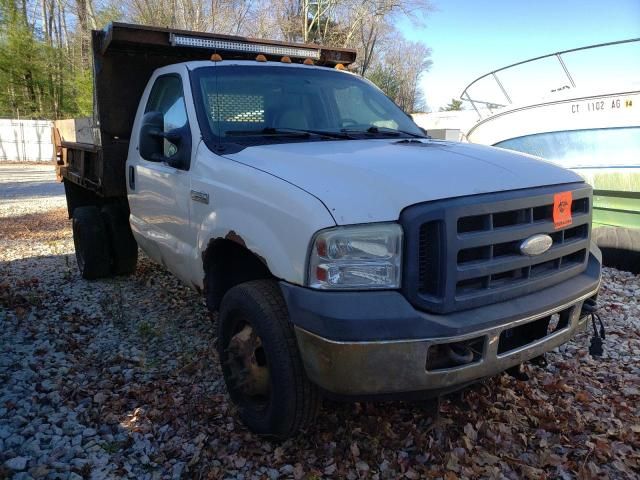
<point>261,363</point>
<point>91,243</point>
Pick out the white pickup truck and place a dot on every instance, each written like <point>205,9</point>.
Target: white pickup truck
<point>346,253</point>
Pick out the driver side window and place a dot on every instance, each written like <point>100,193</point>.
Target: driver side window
<point>167,98</point>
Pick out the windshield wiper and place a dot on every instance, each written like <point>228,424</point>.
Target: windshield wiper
<point>384,131</point>
<point>265,132</point>
<point>322,133</point>
<point>375,129</point>
<point>297,132</point>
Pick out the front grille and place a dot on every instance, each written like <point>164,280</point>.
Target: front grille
<point>464,253</point>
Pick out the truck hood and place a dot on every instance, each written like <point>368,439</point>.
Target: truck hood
<point>362,181</point>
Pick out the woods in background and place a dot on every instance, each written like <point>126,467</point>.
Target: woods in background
<point>45,45</point>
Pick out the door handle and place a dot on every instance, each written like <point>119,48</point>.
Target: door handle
<point>132,178</point>
<point>200,197</point>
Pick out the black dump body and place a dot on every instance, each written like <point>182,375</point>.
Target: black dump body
<point>124,58</point>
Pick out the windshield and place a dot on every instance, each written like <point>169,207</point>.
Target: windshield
<point>252,105</point>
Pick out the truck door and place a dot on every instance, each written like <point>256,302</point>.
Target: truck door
<point>159,188</point>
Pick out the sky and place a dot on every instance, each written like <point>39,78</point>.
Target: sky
<point>469,38</point>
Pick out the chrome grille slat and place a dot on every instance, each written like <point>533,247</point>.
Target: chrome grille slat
<point>533,283</point>
<point>515,233</point>
<point>515,261</point>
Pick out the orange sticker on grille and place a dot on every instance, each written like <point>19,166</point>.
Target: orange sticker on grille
<point>562,209</point>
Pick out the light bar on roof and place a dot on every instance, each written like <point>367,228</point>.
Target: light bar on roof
<point>237,46</point>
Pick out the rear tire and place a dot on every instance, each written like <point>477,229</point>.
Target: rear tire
<point>282,401</point>
<point>124,249</point>
<point>91,244</point>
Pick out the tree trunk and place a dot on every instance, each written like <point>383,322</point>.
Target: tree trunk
<point>45,22</point>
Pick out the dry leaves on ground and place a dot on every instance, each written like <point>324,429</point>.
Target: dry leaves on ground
<point>119,378</point>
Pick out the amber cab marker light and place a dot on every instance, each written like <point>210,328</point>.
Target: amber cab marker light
<point>340,66</point>
<point>285,60</point>
<point>216,58</point>
<point>308,61</point>
<point>261,58</point>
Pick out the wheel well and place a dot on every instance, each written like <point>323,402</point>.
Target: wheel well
<point>78,196</point>
<point>228,262</point>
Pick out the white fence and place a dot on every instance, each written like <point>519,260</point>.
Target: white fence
<point>26,141</point>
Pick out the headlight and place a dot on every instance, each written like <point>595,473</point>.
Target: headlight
<point>356,257</point>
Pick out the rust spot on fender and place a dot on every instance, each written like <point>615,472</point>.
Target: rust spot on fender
<point>234,237</point>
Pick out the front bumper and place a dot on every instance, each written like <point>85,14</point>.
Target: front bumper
<point>376,343</point>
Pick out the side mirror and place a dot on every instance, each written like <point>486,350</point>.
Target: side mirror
<point>151,142</point>
<point>153,137</point>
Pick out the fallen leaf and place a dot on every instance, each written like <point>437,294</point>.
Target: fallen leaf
<point>355,450</point>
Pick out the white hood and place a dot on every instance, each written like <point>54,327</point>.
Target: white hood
<point>362,181</point>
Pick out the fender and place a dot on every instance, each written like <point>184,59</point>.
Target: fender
<point>269,216</point>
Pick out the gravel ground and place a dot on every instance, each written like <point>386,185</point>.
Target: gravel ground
<point>119,378</point>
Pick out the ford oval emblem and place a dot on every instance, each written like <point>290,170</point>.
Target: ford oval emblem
<point>536,245</point>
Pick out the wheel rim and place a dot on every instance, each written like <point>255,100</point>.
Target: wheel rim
<point>248,371</point>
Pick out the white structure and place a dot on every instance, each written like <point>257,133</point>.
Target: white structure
<point>448,125</point>
<point>26,141</point>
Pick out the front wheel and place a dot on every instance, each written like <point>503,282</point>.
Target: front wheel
<point>261,362</point>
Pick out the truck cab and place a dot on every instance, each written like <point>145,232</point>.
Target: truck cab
<point>344,252</point>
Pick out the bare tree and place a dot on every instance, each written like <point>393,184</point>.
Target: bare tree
<point>221,16</point>
<point>85,16</point>
<point>398,70</point>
